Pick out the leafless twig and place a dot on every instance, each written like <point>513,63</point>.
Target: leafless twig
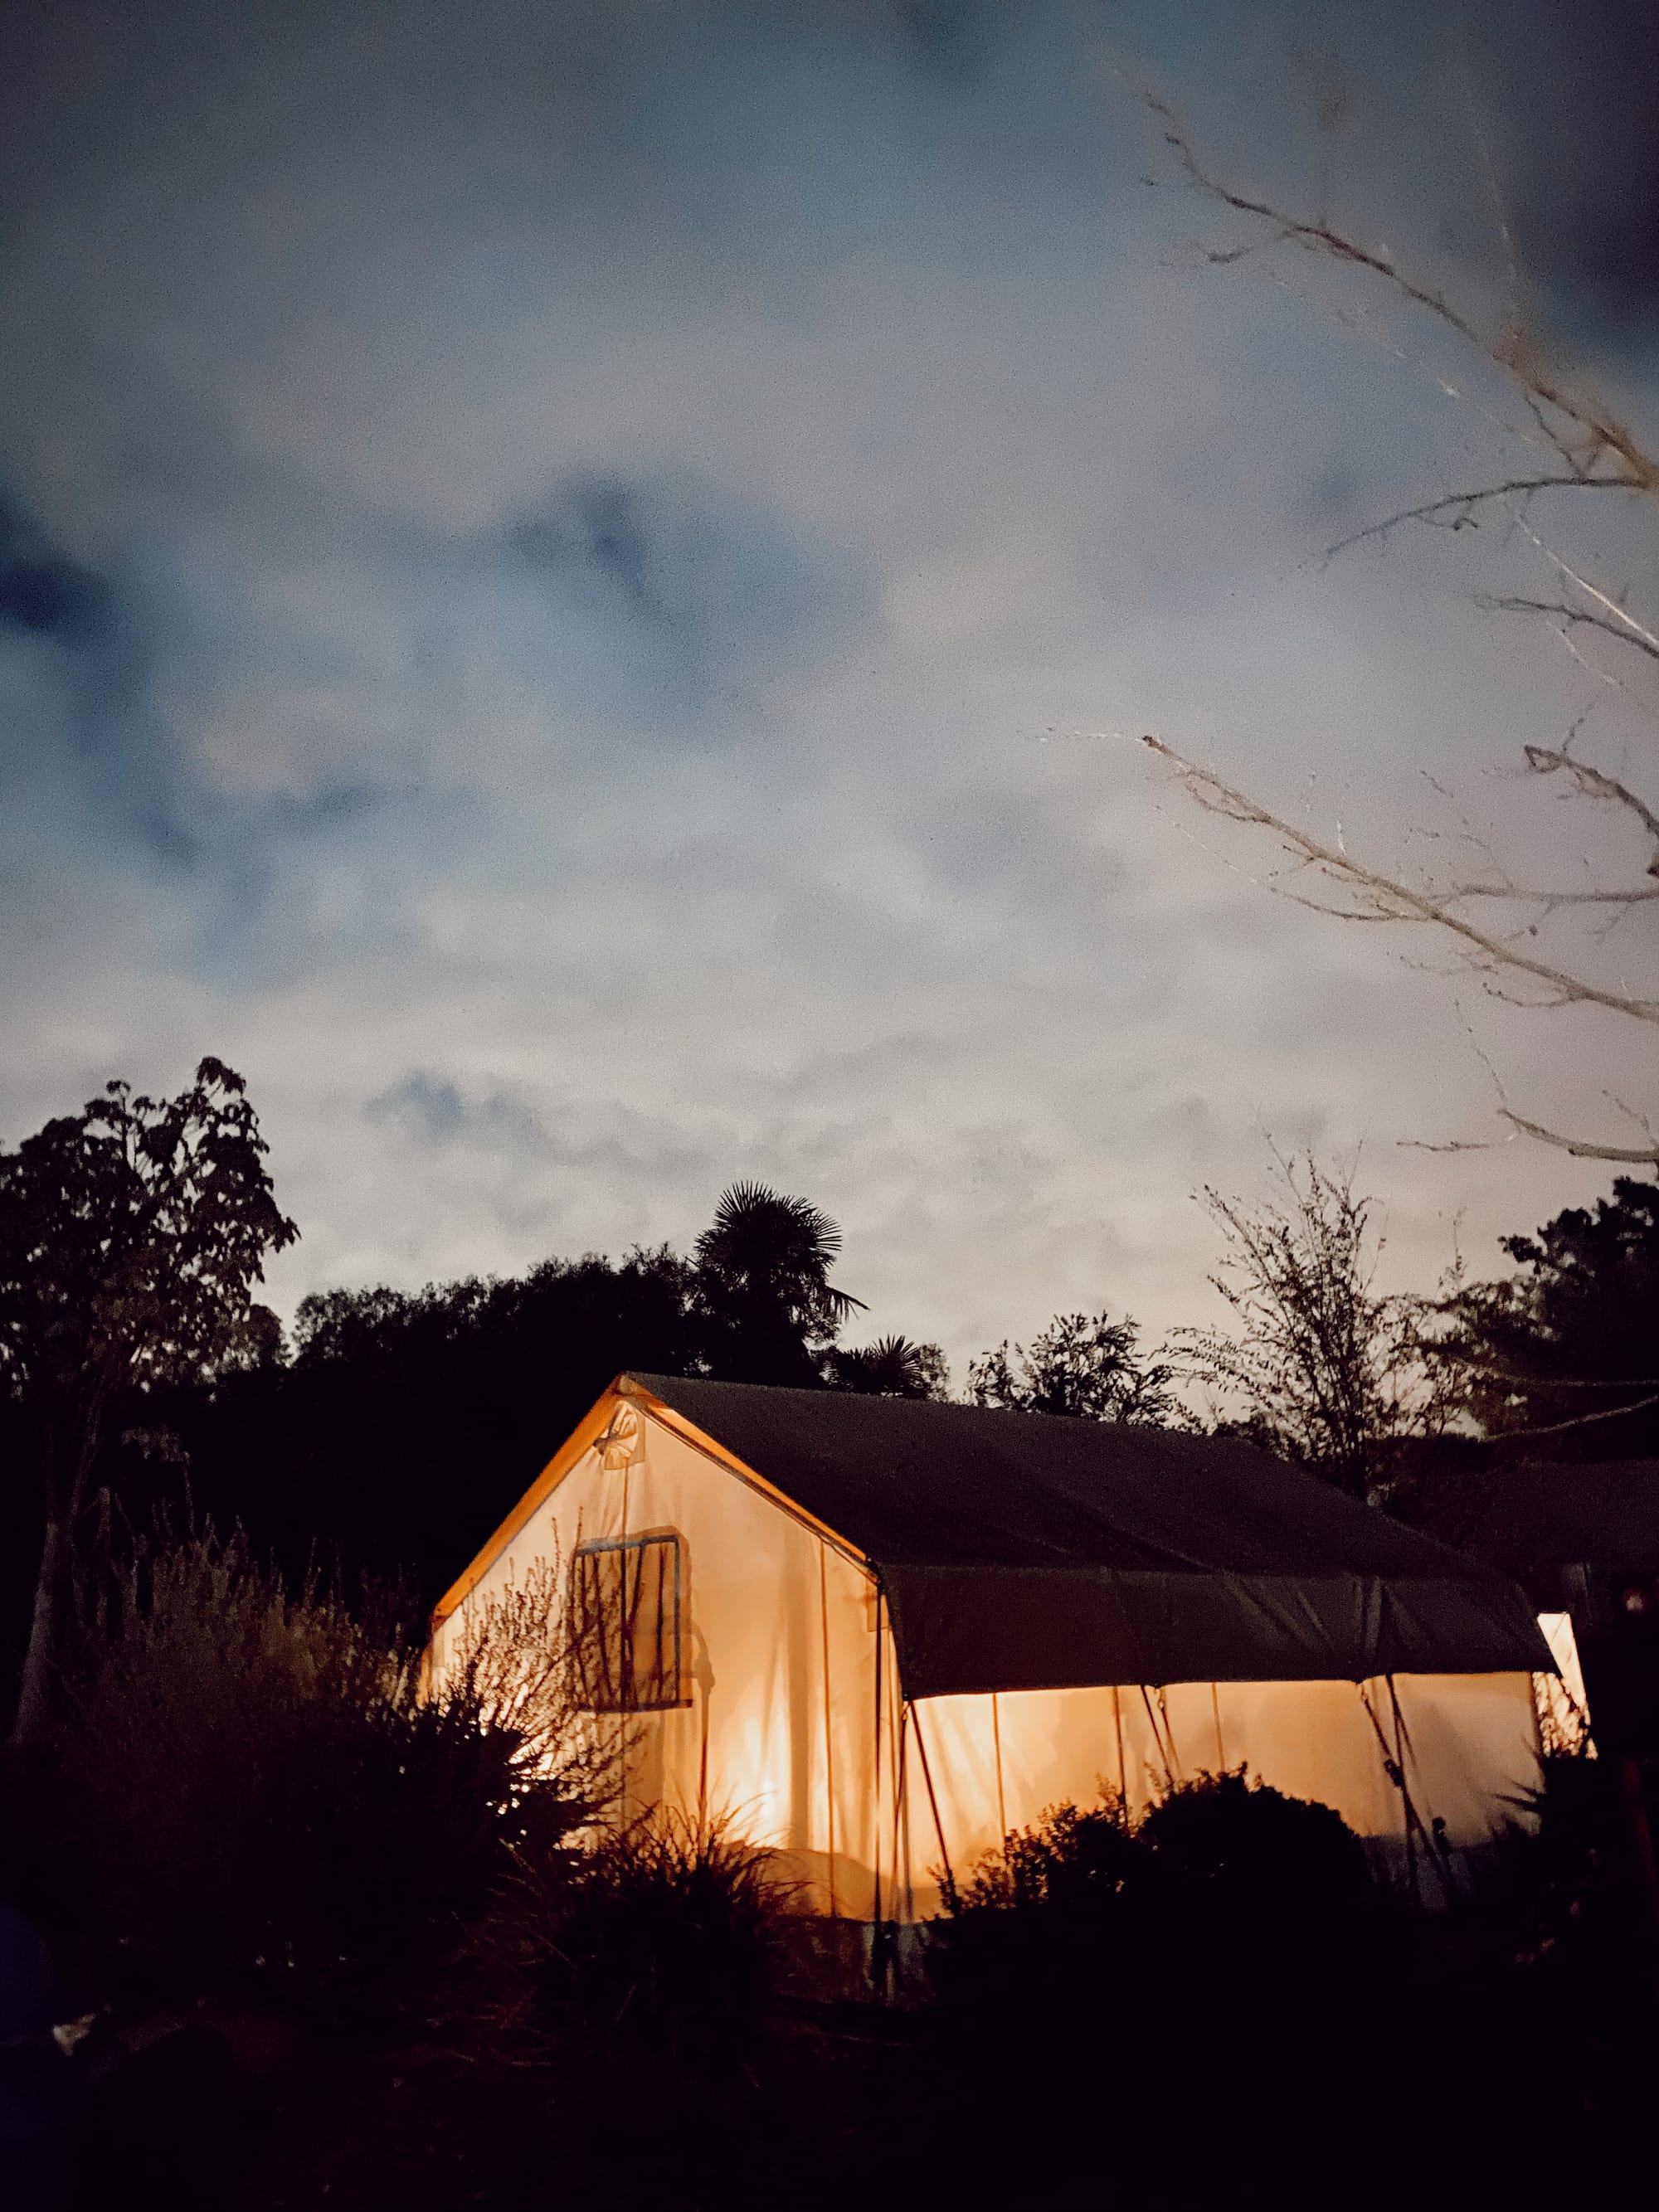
<point>1376,897</point>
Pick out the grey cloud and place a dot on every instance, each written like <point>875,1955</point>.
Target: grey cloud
<point>42,589</point>
<point>714,591</point>
<point>618,540</point>
<point>431,1107</point>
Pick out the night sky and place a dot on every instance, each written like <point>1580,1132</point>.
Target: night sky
<point>577,584</point>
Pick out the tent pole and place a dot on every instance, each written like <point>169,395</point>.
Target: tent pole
<point>829,1734</point>
<point>1168,1731</point>
<point>915,1712</point>
<point>901,1820</point>
<point>1434,1836</point>
<point>996,1743</point>
<point>877,1959</point>
<point>1394,1767</point>
<point>1165,1748</point>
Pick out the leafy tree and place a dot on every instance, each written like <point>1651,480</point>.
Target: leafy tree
<point>1568,1347</point>
<point>891,1367</point>
<point>769,1308</point>
<point>132,1234</point>
<point>407,1424</point>
<point>1085,1365</point>
<point>1322,1368</point>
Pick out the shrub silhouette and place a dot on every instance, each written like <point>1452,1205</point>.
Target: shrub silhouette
<point>253,1794</point>
<point>1180,1963</point>
<point>656,1943</point>
<point>1244,1853</point>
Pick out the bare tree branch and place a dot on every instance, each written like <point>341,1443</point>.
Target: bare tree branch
<point>1614,609</point>
<point>1385,899</point>
<point>1576,1420</point>
<point>1600,433</point>
<point>1515,894</point>
<point>1541,1385</point>
<point>1557,610</point>
<point>1577,446</point>
<point>1582,1148</point>
<point>1593,783</point>
<point>1455,510</point>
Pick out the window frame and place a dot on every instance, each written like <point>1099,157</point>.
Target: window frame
<point>596,1547</point>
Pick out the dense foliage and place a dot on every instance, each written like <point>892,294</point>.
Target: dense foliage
<point>1087,1366</point>
<point>131,1235</point>
<point>244,1793</point>
<point>1567,1344</point>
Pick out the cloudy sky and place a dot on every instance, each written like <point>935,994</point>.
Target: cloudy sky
<point>578,582</point>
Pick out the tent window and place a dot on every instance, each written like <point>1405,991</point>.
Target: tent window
<point>627,1597</point>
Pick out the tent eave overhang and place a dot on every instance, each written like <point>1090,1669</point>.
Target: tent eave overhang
<point>964,1630</point>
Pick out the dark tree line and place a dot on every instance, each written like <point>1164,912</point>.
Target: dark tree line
<point>397,1428</point>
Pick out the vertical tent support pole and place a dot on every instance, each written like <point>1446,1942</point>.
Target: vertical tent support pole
<point>900,1819</point>
<point>828,1733</point>
<point>878,1954</point>
<point>1393,1765</point>
<point>996,1745</point>
<point>1169,1732</point>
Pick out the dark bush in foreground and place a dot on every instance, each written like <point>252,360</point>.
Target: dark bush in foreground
<point>1206,1933</point>
<point>658,1943</point>
<point>247,1792</point>
<point>1245,1855</point>
<point>1238,1854</point>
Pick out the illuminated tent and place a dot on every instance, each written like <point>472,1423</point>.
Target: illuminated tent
<point>877,1634</point>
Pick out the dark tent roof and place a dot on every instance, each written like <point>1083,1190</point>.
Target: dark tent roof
<point>1552,1513</point>
<point>1022,1551</point>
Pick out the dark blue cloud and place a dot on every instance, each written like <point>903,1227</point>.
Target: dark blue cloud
<point>947,34</point>
<point>598,525</point>
<point>41,588</point>
<point>433,1109</point>
<point>86,658</point>
<point>702,589</point>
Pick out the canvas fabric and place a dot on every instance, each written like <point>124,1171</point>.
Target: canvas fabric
<point>1020,1551</point>
<point>822,1711</point>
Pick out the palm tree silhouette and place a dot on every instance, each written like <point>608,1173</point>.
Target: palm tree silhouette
<point>891,1367</point>
<point>764,1267</point>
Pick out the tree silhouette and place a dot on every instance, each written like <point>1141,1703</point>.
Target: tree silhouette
<point>1567,1348</point>
<point>1320,1366</point>
<point>1085,1365</point>
<point>891,1367</point>
<point>132,1234</point>
<point>769,1308</point>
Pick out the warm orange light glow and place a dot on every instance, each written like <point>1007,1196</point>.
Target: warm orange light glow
<point>794,1724</point>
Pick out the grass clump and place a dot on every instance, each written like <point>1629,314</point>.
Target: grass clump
<point>658,1943</point>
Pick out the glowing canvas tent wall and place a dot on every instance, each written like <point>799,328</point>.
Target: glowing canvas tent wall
<point>885,1632</point>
